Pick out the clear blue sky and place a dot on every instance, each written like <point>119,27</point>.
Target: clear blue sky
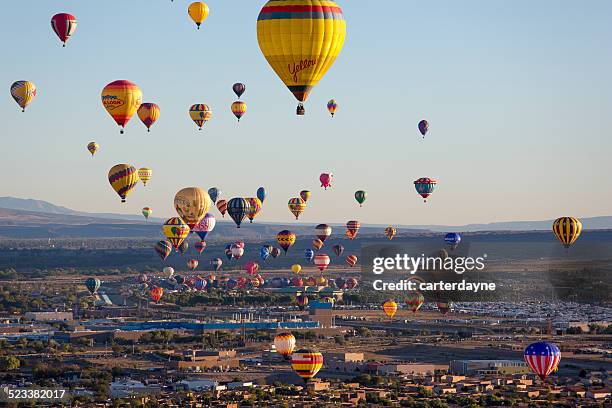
<point>517,93</point>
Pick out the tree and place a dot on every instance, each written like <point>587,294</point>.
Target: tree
<point>9,363</point>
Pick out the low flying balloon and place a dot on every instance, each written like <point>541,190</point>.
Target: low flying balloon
<point>301,41</point>
<point>93,147</point>
<point>191,204</point>
<point>423,127</point>
<point>168,271</point>
<point>338,249</point>
<point>361,196</point>
<point>415,300</point>
<point>275,252</point>
<point>305,195</point>
<point>145,174</point>
<point>286,239</point>
<point>567,230</point>
<point>264,253</point>
<point>147,211</point>
<point>352,227</point>
<point>239,108</point>
<point>148,113</point>
<point>176,231</point>
<point>163,249</point>
<point>309,254</point>
<point>237,251</point>
<point>251,267</point>
<point>425,186</point>
<point>222,207</point>
<point>284,344</point>
<point>216,263</point>
<point>390,308</point>
<point>198,11</point>
<point>254,208</point>
<point>192,264</point>
<point>183,247</point>
<point>121,99</point>
<point>332,106</point>
<point>200,246</point>
<point>452,239</point>
<point>390,232</point>
<point>23,92</point>
<point>296,268</point>
<point>205,226</point>
<point>296,206</point>
<point>214,194</point>
<point>92,285</point>
<point>297,282</point>
<point>321,261</point>
<point>239,89</point>
<point>306,363</point>
<point>351,260</point>
<point>542,358</point>
<point>262,194</point>
<point>238,208</point>
<point>123,179</point>
<point>321,281</point>
<point>200,114</point>
<point>200,284</point>
<point>156,293</point>
<point>302,301</point>
<point>444,307</point>
<point>317,244</point>
<point>326,180</point>
<point>64,25</point>
<point>323,231</point>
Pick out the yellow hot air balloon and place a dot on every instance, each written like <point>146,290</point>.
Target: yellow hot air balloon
<point>93,147</point>
<point>567,230</point>
<point>301,40</point>
<point>198,11</point>
<point>176,231</point>
<point>296,268</point>
<point>306,363</point>
<point>239,108</point>
<point>297,206</point>
<point>148,113</point>
<point>192,204</point>
<point>23,92</point>
<point>145,174</point>
<point>390,308</point>
<point>121,99</point>
<point>123,179</point>
<point>284,344</point>
<point>200,113</point>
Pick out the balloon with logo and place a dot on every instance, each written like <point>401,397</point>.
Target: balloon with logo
<point>168,271</point>
<point>390,232</point>
<point>205,226</point>
<point>148,113</point>
<point>191,204</point>
<point>121,99</point>
<point>64,25</point>
<point>423,127</point>
<point>361,196</point>
<point>415,300</point>
<point>305,195</point>
<point>200,114</point>
<point>200,246</point>
<point>214,194</point>
<point>239,89</point>
<point>284,344</point>
<point>286,239</point>
<point>321,261</point>
<point>216,263</point>
<point>23,92</point>
<point>176,231</point>
<point>145,174</point>
<point>92,285</point>
<point>351,260</point>
<point>147,211</point>
<point>352,228</point>
<point>326,179</point>
<point>254,208</point>
<point>156,293</point>
<point>390,308</point>
<point>93,147</point>
<point>425,187</point>
<point>332,106</point>
<point>183,247</point>
<point>264,253</point>
<point>567,230</point>
<point>200,284</point>
<point>251,267</point>
<point>301,41</point>
<point>338,249</point>
<point>123,179</point>
<point>192,264</point>
<point>239,108</point>
<point>317,244</point>
<point>542,358</point>
<point>238,208</point>
<point>452,239</point>
<point>309,254</point>
<point>222,207</point>
<point>296,268</point>
<point>296,206</point>
<point>163,249</point>
<point>323,231</point>
<point>262,194</point>
<point>198,11</point>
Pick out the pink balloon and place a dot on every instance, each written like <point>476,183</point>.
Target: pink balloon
<point>326,179</point>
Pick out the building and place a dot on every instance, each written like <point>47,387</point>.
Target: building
<point>401,368</point>
<point>49,316</point>
<point>201,360</point>
<point>481,367</point>
<point>129,388</point>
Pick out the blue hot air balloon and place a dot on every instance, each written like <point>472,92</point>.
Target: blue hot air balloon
<point>261,194</point>
<point>452,239</point>
<point>542,357</point>
<point>264,253</point>
<point>309,254</point>
<point>214,193</point>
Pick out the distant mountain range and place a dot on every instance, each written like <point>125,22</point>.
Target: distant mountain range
<point>29,218</point>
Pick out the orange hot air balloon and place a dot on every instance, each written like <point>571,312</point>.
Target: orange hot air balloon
<point>121,99</point>
<point>284,344</point>
<point>351,260</point>
<point>239,108</point>
<point>306,363</point>
<point>352,227</point>
<point>297,206</point>
<point>200,114</point>
<point>222,207</point>
<point>192,264</point>
<point>123,179</point>
<point>148,114</point>
<point>156,293</point>
<point>305,195</point>
<point>317,244</point>
<point>390,232</point>
<point>390,308</point>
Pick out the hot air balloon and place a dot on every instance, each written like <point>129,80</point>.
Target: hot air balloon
<point>543,358</point>
<point>214,193</point>
<point>351,283</point>
<point>198,11</point>
<point>317,244</point>
<point>148,114</point>
<point>332,106</point>
<point>168,271</point>
<point>321,261</point>
<point>121,99</point>
<point>216,263</point>
<point>251,267</point>
<point>239,89</point>
<point>297,206</point>
<point>192,264</point>
<point>326,179</point>
<point>163,249</point>
<point>390,232</point>
<point>123,179</point>
<point>237,251</point>
<point>239,108</point>
<point>300,41</point>
<point>340,282</point>
<point>306,363</point>
<point>255,282</point>
<point>200,246</point>
<point>415,300</point>
<point>23,92</point>
<point>191,204</point>
<point>64,25</point>
<point>352,227</point>
<point>321,281</point>
<point>254,208</point>
<point>311,281</point>
<point>93,147</point>
<point>567,230</point>
<point>444,307</point>
<point>425,186</point>
<point>309,254</point>
<point>275,252</point>
<point>264,253</point>
<point>145,174</point>
<point>200,114</point>
<point>176,231</point>
<point>323,231</point>
<point>305,195</point>
<point>156,293</point>
<point>390,308</point>
<point>297,282</point>
<point>262,194</point>
<point>183,247</point>
<point>338,249</point>
<point>238,208</point>
<point>200,284</point>
<point>222,207</point>
<point>92,285</point>
<point>205,226</point>
<point>360,196</point>
<point>147,211</point>
<point>423,127</point>
<point>296,268</point>
<point>142,278</point>
<point>302,301</point>
<point>452,239</point>
<point>286,239</point>
<point>284,344</point>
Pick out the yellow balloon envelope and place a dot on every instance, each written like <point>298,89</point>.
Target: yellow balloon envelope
<point>176,231</point>
<point>296,268</point>
<point>145,174</point>
<point>198,11</point>
<point>301,39</point>
<point>192,204</point>
<point>23,92</point>
<point>390,308</point>
<point>148,113</point>
<point>93,147</point>
<point>123,179</point>
<point>200,114</point>
<point>121,99</point>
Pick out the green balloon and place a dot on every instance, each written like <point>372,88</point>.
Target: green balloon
<point>360,196</point>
